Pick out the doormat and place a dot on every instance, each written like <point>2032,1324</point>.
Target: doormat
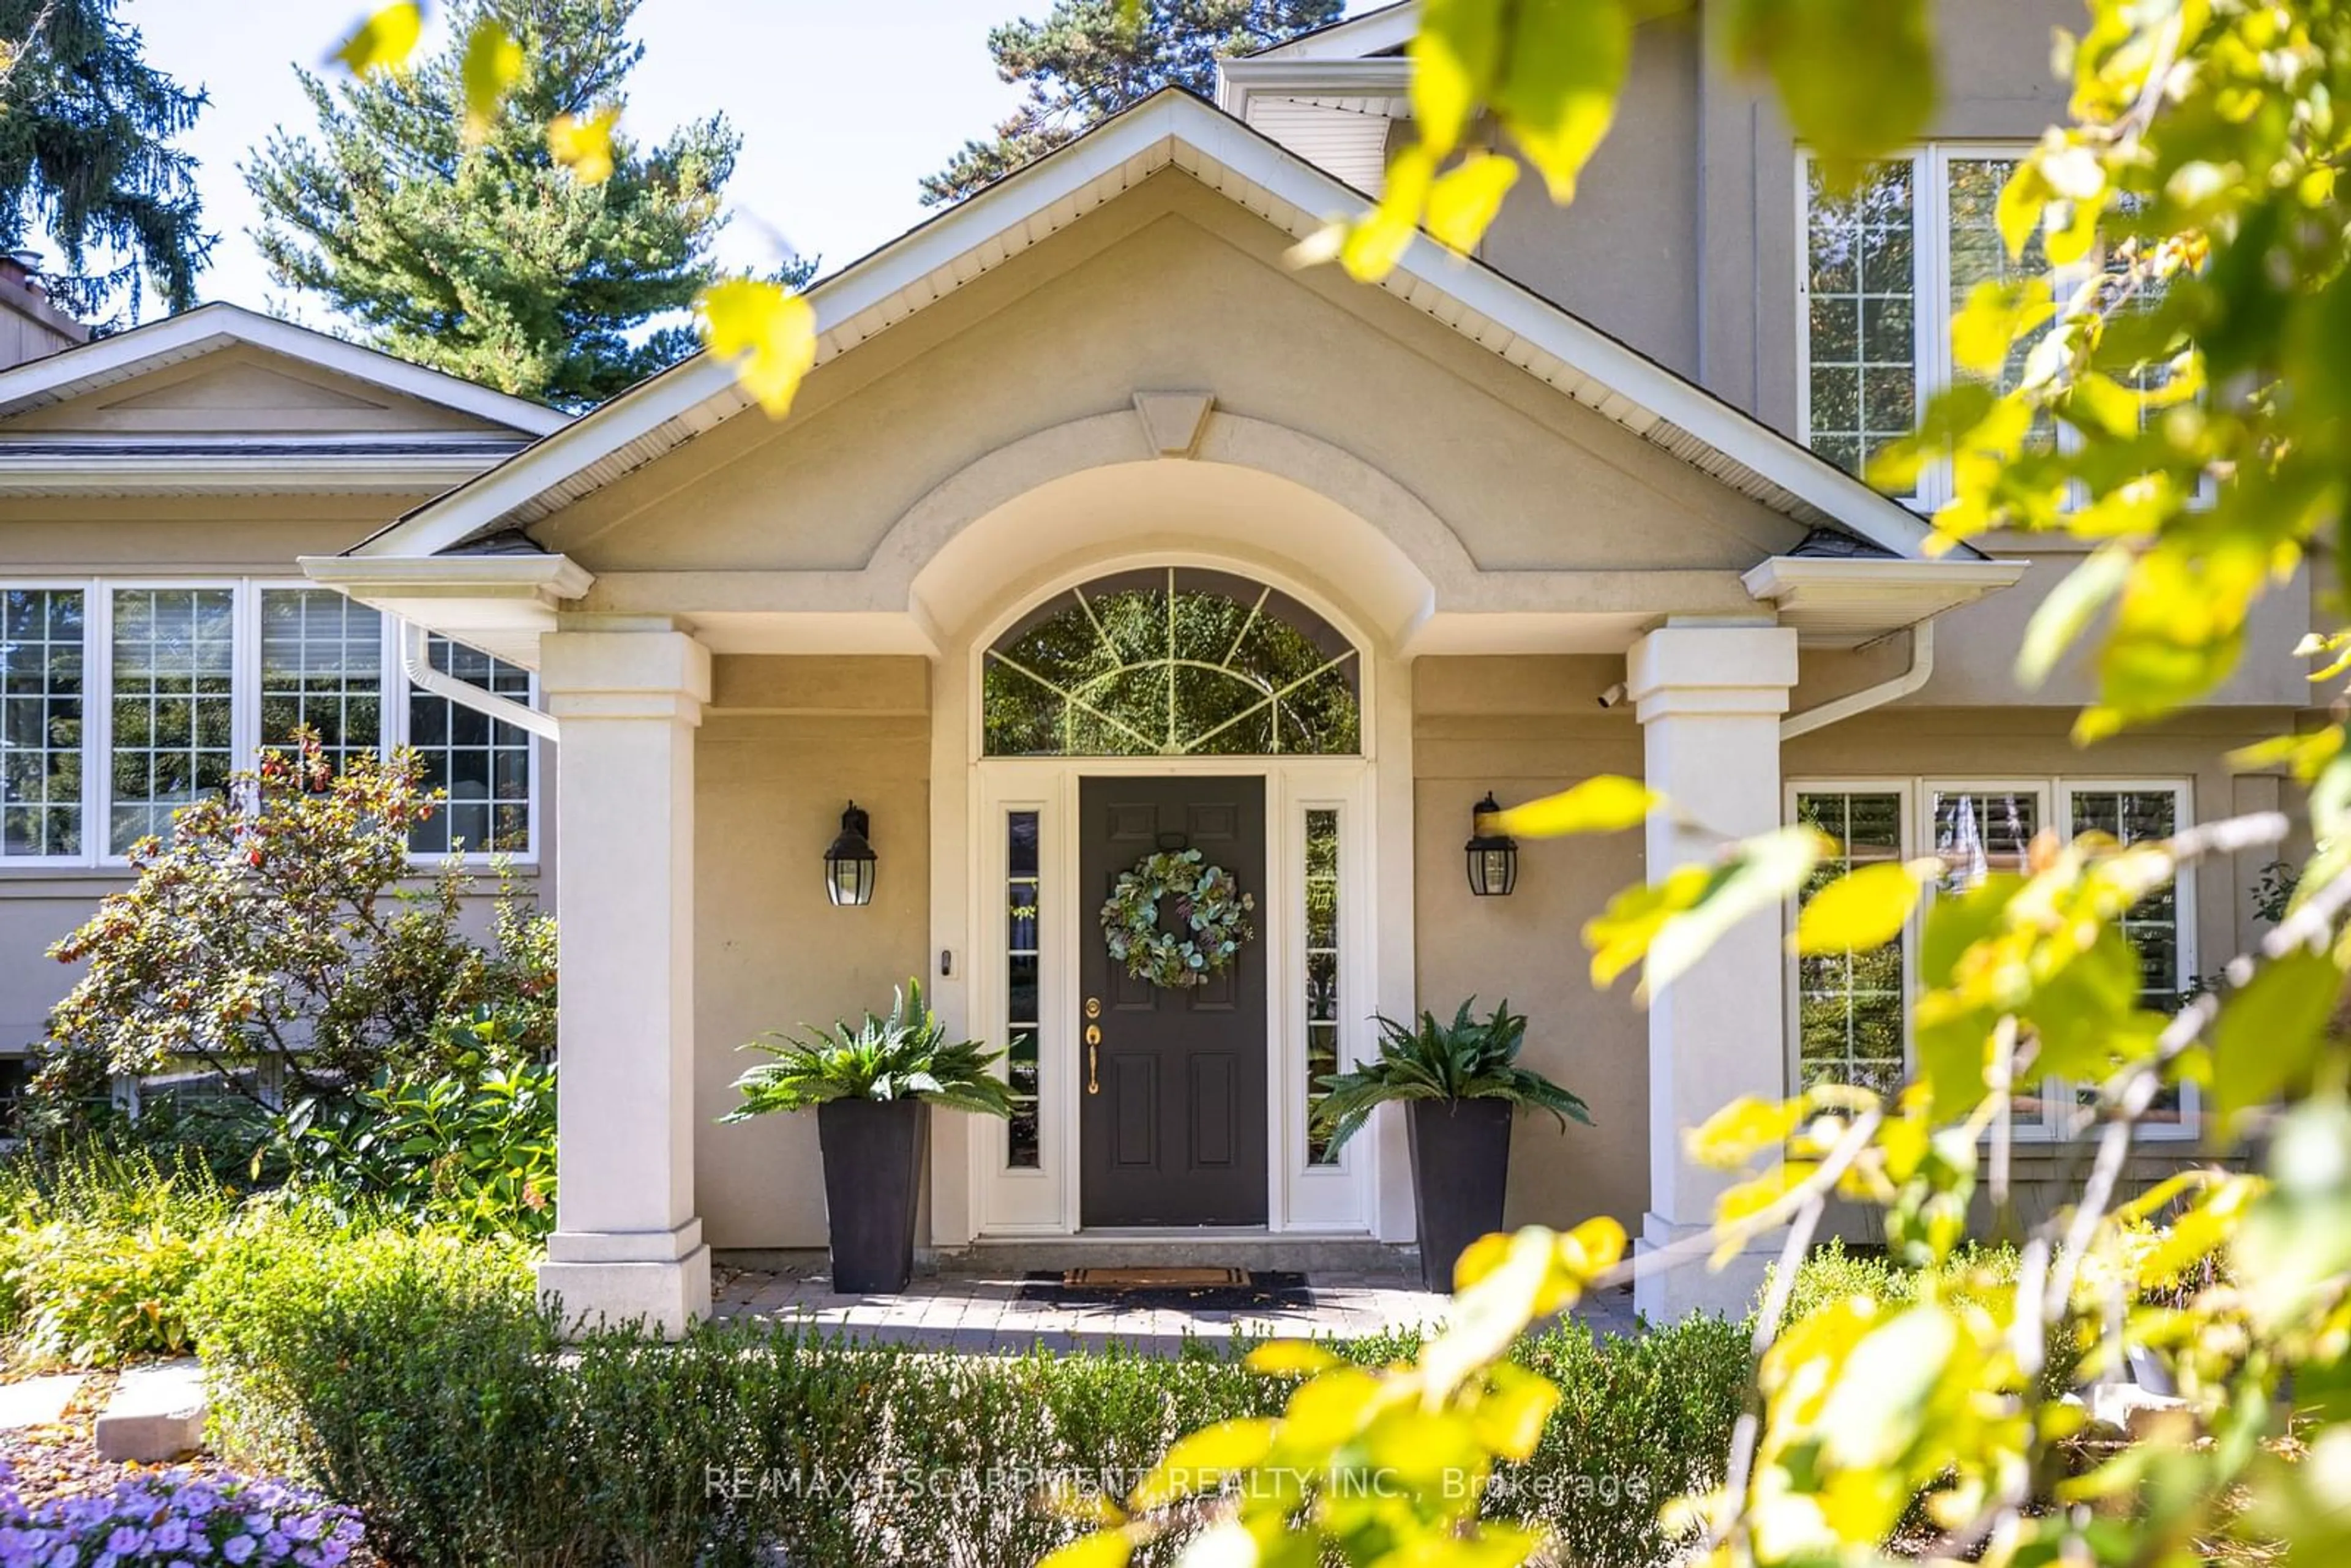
<point>1190,1289</point>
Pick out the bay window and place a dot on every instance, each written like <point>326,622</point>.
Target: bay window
<point>1849,1012</point>
<point>122,702</point>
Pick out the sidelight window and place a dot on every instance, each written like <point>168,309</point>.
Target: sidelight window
<point>1022,1007</point>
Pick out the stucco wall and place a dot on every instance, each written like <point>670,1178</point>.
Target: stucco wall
<point>1524,727</point>
<point>1170,287</point>
<point>784,746</point>
<point>1625,256</point>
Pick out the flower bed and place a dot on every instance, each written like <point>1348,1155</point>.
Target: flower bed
<point>178,1516</point>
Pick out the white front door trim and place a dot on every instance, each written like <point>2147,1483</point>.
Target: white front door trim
<point>1042,1200</point>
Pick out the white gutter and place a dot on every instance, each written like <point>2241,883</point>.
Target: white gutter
<point>1922,669</point>
<point>414,655</point>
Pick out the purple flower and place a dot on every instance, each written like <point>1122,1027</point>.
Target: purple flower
<point>170,1535</point>
<point>238,1548</point>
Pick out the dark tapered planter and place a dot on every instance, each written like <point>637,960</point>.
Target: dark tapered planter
<point>1461,1164</point>
<point>873,1174</point>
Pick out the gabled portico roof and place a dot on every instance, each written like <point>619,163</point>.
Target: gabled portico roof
<point>1171,129</point>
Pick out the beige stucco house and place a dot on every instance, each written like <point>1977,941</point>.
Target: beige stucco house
<point>1100,527</point>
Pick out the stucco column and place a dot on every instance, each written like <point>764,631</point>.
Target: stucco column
<point>628,1243</point>
<point>1709,700</point>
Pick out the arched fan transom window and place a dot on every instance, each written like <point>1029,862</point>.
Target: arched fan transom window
<point>1172,661</point>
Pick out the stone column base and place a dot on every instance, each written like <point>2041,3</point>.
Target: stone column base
<point>1669,1295</point>
<point>660,1278</point>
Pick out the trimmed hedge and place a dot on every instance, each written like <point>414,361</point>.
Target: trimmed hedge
<point>414,1376</point>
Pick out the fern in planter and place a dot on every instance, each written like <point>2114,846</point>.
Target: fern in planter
<point>904,1056</point>
<point>1468,1059</point>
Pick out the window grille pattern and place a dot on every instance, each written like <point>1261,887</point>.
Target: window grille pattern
<point>1172,663</point>
<point>41,631</point>
<point>172,704</point>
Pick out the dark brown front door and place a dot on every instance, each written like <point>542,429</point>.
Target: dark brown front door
<point>1171,1125</point>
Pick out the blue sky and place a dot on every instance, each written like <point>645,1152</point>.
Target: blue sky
<point>842,107</point>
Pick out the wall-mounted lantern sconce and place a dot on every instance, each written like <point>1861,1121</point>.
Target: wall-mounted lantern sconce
<point>849,863</point>
<point>1493,857</point>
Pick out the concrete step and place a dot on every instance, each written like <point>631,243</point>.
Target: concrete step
<point>38,1400</point>
<point>157,1412</point>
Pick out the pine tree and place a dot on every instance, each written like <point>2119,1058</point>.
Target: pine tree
<point>1089,59</point>
<point>86,164</point>
<point>484,257</point>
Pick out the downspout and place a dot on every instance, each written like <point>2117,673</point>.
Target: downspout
<point>1922,668</point>
<point>414,655</point>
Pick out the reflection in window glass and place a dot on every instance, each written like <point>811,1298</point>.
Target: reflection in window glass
<point>1021,1008</point>
<point>1978,834</point>
<point>1322,882</point>
<point>40,722</point>
<point>2152,925</point>
<point>1861,301</point>
<point>321,665</point>
<point>172,704</point>
<point>483,763</point>
<point>1849,1005</point>
<point>1171,663</point>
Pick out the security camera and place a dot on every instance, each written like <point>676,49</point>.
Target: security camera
<point>1613,696</point>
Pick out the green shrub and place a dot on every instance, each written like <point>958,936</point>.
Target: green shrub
<point>99,1252</point>
<point>405,1372</point>
<point>466,1139</point>
<point>413,1374</point>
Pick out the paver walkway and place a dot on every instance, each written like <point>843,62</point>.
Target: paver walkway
<point>981,1312</point>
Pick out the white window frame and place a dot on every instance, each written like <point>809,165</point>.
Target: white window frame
<point>244,686</point>
<point>396,732</point>
<point>1930,263</point>
<point>2055,794</point>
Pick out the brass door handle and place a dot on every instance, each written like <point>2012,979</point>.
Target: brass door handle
<point>1094,1045</point>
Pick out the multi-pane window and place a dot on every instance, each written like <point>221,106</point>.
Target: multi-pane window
<point>172,705</point>
<point>1861,307</point>
<point>1322,889</point>
<point>1021,991</point>
<point>483,763</point>
<point>321,665</point>
<point>1847,1011</point>
<point>119,704</point>
<point>1886,265</point>
<point>1849,1015</point>
<point>41,719</point>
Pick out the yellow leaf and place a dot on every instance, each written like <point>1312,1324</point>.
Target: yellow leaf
<point>1454,53</point>
<point>1288,1357</point>
<point>1764,870</point>
<point>1329,1409</point>
<point>2066,613</point>
<point>1996,316</point>
<point>1509,1418</point>
<point>493,63</point>
<point>1201,1461</point>
<point>1110,1548</point>
<point>1565,72</point>
<point>1464,200</point>
<point>584,145</point>
<point>1606,804</point>
<point>1734,1134</point>
<point>1620,934</point>
<point>769,332</point>
<point>1376,242</point>
<point>1864,908</point>
<point>384,41</point>
<point>1593,1248</point>
<point>1480,1257</point>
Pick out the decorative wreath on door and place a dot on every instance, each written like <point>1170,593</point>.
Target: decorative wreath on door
<point>1210,904</point>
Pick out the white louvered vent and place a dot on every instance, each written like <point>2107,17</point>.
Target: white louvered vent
<point>1345,144</point>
